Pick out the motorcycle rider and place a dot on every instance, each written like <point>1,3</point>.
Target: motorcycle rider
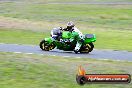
<point>71,27</point>
<point>57,32</point>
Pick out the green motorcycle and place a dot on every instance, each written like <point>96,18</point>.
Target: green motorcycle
<point>70,39</point>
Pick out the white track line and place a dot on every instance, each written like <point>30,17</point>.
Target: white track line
<point>2,43</point>
<point>20,44</point>
<point>105,59</point>
<point>66,56</point>
<point>41,54</point>
<point>73,57</point>
<point>17,52</point>
<point>52,55</point>
<point>78,57</point>
<point>114,60</point>
<point>29,53</point>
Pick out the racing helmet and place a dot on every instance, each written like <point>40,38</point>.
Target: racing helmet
<point>70,25</point>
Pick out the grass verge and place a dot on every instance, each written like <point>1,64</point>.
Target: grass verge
<point>109,16</point>
<point>37,71</point>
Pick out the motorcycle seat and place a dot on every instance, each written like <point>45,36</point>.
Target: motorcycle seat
<point>89,36</point>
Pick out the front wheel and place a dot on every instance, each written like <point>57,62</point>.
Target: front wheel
<point>76,52</point>
<point>46,46</point>
<point>85,48</point>
<point>91,47</point>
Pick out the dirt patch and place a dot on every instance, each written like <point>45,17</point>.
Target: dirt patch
<point>7,22</point>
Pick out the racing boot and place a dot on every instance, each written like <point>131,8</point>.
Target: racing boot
<point>77,48</point>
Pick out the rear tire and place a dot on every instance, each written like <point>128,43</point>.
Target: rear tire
<point>45,46</point>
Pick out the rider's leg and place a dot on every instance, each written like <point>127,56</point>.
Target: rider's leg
<point>79,42</point>
<point>78,46</point>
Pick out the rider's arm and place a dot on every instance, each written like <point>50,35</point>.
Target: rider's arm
<point>64,29</point>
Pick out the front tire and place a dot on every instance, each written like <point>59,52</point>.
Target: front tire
<point>76,52</point>
<point>85,48</point>
<point>91,47</point>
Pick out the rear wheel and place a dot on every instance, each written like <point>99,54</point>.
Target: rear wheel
<point>46,46</point>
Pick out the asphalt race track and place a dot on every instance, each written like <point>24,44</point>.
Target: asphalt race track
<point>96,54</point>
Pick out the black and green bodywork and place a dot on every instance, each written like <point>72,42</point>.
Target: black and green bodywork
<point>70,40</point>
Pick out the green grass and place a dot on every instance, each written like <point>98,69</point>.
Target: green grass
<point>21,37</point>
<point>36,71</point>
<point>102,16</point>
<point>117,40</point>
<point>70,1</point>
<point>88,0</point>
